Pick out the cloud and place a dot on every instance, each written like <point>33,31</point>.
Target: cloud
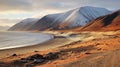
<point>3,28</point>
<point>109,4</point>
<point>34,5</point>
<point>55,4</point>
<point>9,22</point>
<point>40,14</point>
<point>6,5</point>
<point>71,4</point>
<point>10,10</point>
<point>16,15</point>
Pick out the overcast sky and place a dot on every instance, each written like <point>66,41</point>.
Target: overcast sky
<point>12,11</point>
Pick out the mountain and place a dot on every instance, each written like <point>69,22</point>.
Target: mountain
<point>77,17</point>
<point>70,19</point>
<point>45,23</point>
<point>105,23</point>
<point>24,24</point>
<point>82,16</point>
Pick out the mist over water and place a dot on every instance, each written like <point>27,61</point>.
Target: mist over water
<point>21,39</point>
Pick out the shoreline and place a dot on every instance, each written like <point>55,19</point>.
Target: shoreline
<point>11,40</point>
<point>38,47</point>
<point>21,46</point>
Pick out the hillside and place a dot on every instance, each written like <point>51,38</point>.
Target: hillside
<point>105,23</point>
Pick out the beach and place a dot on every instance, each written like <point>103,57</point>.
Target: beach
<point>72,49</point>
<point>38,45</point>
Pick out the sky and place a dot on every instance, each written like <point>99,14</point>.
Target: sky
<point>13,11</point>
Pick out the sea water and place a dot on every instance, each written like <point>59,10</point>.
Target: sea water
<point>21,39</point>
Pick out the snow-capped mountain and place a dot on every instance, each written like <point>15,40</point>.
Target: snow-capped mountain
<point>82,16</point>
<point>74,18</point>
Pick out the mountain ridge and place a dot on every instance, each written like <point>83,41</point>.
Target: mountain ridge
<point>70,19</point>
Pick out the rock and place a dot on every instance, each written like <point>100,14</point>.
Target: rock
<point>62,33</point>
<point>97,44</point>
<point>36,51</point>
<point>36,56</point>
<point>87,53</point>
<point>38,61</point>
<point>59,37</point>
<point>17,62</point>
<point>51,56</point>
<point>1,64</point>
<point>22,59</point>
<point>99,49</point>
<point>14,55</point>
<point>73,35</point>
<point>28,65</point>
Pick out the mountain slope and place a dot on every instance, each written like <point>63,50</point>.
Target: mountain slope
<point>107,22</point>
<point>24,24</point>
<point>83,15</point>
<point>74,18</point>
<point>45,22</point>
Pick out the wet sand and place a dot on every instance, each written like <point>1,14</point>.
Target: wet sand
<point>56,42</point>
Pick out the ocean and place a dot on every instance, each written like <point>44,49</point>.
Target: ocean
<point>21,39</point>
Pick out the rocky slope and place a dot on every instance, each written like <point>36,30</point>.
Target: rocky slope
<point>74,18</point>
<point>105,23</point>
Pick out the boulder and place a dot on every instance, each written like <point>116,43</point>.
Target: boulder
<point>51,56</point>
<point>38,61</point>
<point>36,56</point>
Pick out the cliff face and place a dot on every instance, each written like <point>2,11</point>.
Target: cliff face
<point>74,18</point>
<point>105,23</point>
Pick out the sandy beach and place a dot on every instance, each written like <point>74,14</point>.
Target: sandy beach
<point>38,47</point>
<point>71,51</point>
